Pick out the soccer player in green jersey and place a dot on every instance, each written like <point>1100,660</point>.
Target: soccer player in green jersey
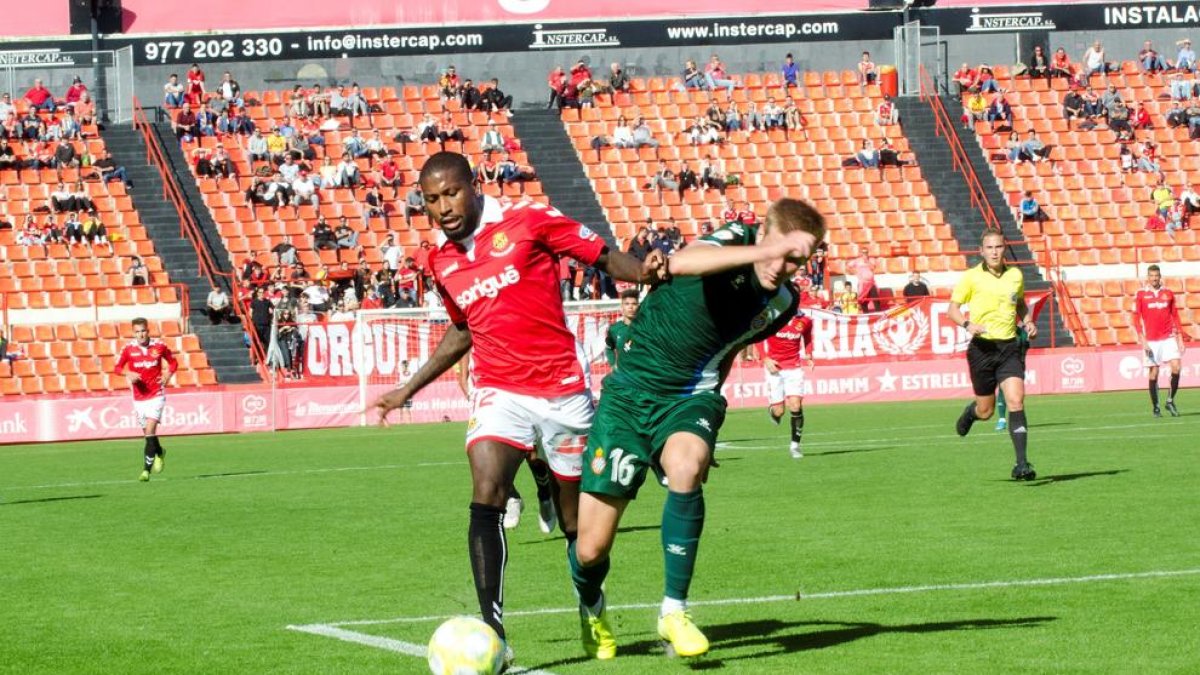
<point>663,404</point>
<point>614,339</point>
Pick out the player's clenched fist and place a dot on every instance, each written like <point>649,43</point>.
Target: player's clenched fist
<point>389,402</point>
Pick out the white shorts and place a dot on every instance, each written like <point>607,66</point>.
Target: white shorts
<point>559,426</point>
<point>784,384</point>
<point>1161,352</point>
<point>150,409</point>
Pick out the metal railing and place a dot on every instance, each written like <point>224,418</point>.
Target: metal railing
<point>190,230</point>
<point>944,126</point>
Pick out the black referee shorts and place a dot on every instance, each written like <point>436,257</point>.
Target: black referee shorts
<point>993,361</point>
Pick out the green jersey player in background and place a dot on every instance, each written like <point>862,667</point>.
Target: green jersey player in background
<point>615,338</point>
<point>663,404</point>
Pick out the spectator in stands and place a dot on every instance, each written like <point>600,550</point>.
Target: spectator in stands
<point>69,127</point>
<point>1174,219</point>
<point>863,268</point>
<point>391,253</point>
<point>469,96</point>
<point>1150,60</point>
<point>715,116</point>
<point>301,151</point>
<point>1118,120</point>
<point>373,207</point>
<point>85,109</point>
<point>348,174</point>
<point>6,105</point>
<point>793,119</point>
<point>847,301</point>
<point>64,155</point>
<point>318,101</point>
<point>8,157</point>
<point>1039,63</point>
<point>229,92</point>
<point>1182,86</point>
<point>1189,199</point>
<point>427,129</point>
<point>1192,114</point>
<point>375,147</point>
<point>886,113</point>
<point>387,174</point>
<point>414,204</point>
<point>733,117</point>
<point>137,274</point>
<point>39,97</point>
<point>448,130</point>
<point>753,120</point>
<point>692,78</point>
<point>513,172</point>
<point>184,125</point>
<point>688,180</point>
<point>642,136</point>
<point>277,146</point>
<point>557,83</point>
<point>1109,98</point>
<point>61,199</point>
<point>866,70</point>
<point>290,170</point>
<point>1093,109</point>
<point>487,171</point>
<point>109,171</point>
<point>1140,119</point>
<point>772,115</point>
<point>1060,64</point>
<point>304,190</point>
<point>1000,110</point>
<point>355,145</point>
<point>323,237</point>
<point>987,80</point>
<point>618,79</point>
<point>712,173</point>
<point>206,121</point>
<point>867,155</point>
<point>493,140</point>
<point>815,268</point>
<point>10,126</point>
<point>715,75</point>
<point>226,124</point>
<point>257,147</point>
<point>622,136</point>
<point>30,234</point>
<point>406,281</point>
<point>790,72</point>
<point>975,109</point>
<point>966,79</point>
<point>344,235</point>
<point>915,288</point>
<point>81,197</point>
<point>702,132</point>
<point>173,92</point>
<point>1094,62</point>
<point>495,100</point>
<point>1031,210</point>
<point>1162,196</point>
<point>1185,59</point>
<point>73,229</point>
<point>194,91</point>
<point>640,246</point>
<point>285,252</point>
<point>51,232</point>
<point>279,191</point>
<point>1034,148</point>
<point>218,308</point>
<point>298,103</point>
<point>663,179</point>
<point>1072,106</point>
<point>448,84</point>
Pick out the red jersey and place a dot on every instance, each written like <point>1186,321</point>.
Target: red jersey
<point>1157,316</point>
<point>503,283</point>
<point>147,363</point>
<point>791,342</point>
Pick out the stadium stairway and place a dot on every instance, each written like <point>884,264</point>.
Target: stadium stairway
<point>545,141</point>
<point>967,224</point>
<point>223,344</point>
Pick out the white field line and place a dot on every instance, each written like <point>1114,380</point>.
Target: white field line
<point>824,595</point>
<point>905,442</point>
<point>398,646</point>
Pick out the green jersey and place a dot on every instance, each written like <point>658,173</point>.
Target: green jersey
<point>614,342</point>
<point>689,329</point>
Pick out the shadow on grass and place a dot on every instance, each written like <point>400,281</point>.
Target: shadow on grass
<point>230,473</point>
<point>558,537</point>
<point>848,452</point>
<point>772,637</point>
<point>1064,477</point>
<point>47,500</point>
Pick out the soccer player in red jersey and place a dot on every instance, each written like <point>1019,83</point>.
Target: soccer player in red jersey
<point>496,267</point>
<point>141,362</point>
<point>1156,319</point>
<point>784,357</point>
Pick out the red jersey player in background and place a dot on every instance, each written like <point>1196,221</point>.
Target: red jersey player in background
<point>784,354</point>
<point>496,268</point>
<point>1156,319</point>
<point>141,364</point>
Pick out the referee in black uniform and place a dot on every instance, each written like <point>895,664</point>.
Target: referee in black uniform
<point>1000,327</point>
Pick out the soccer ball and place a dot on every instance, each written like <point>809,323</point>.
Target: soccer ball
<point>465,645</point>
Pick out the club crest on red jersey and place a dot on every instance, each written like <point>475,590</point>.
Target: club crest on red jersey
<point>501,246</point>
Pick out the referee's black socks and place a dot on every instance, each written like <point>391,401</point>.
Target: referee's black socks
<point>1018,433</point>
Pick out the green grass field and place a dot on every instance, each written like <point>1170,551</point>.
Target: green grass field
<point>910,549</point>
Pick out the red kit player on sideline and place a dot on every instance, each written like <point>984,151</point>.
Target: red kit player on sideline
<point>496,268</point>
<point>784,354</point>
<point>141,364</point>
<point>1156,319</point>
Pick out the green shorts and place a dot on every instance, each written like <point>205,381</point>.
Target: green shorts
<point>630,429</point>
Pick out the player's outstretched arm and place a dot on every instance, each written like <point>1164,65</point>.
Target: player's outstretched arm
<point>701,259</point>
<point>454,345</point>
<point>624,267</point>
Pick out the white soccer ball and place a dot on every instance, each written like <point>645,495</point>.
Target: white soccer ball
<point>465,645</point>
